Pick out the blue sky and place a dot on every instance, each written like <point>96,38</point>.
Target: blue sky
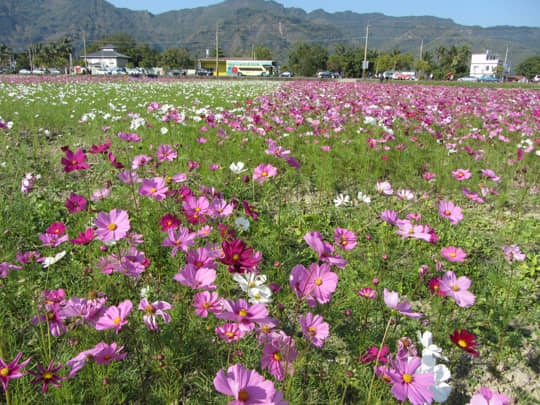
<point>485,13</point>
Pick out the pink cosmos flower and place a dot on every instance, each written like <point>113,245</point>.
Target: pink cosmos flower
<point>247,387</point>
<point>197,278</point>
<point>429,176</point>
<point>406,229</point>
<point>196,207</point>
<point>6,267</point>
<point>391,299</point>
<point>384,188</point>
<point>344,238</point>
<point>367,292</point>
<point>75,203</point>
<point>278,355</point>
<point>89,309</point>
<point>102,353</point>
<point>513,253</point>
<point>472,195</point>
<point>180,239</point>
<point>453,254</point>
<point>457,288</point>
<point>449,210</point>
<point>201,257</point>
<point>115,317</point>
<point>205,302</point>
<point>140,160</point>
<point>100,194</point>
<point>324,249</point>
<point>230,332</point>
<point>263,172</point>
<point>461,174</point>
<point>152,310</point>
<point>314,328</point>
<point>490,174</point>
<point>9,371</point>
<point>390,217</point>
<point>408,384</point>
<point>220,208</point>
<point>53,318</point>
<point>112,226</point>
<point>373,354</point>
<point>166,153</point>
<point>487,397</point>
<point>244,314</point>
<point>155,187</point>
<point>84,238</point>
<point>129,137</point>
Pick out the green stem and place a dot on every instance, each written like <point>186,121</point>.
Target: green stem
<point>377,359</point>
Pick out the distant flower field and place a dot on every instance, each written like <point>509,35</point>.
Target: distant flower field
<point>253,242</point>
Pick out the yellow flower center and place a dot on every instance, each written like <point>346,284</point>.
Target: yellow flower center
<point>265,328</point>
<point>318,281</point>
<point>111,227</point>
<point>50,316</point>
<point>153,190</point>
<point>264,174</point>
<point>453,254</point>
<point>243,395</point>
<point>4,372</point>
<point>149,309</point>
<point>197,209</point>
<point>117,320</point>
<point>312,331</point>
<point>47,375</point>
<point>107,357</point>
<point>277,356</point>
<point>236,256</point>
<point>461,343</point>
<point>73,162</point>
<point>455,288</point>
<point>447,213</point>
<point>230,335</point>
<point>407,378</point>
<point>206,305</point>
<point>242,312</point>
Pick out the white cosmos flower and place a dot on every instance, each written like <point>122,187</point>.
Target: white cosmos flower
<point>406,195</point>
<point>431,351</point>
<point>52,260</point>
<point>249,280</point>
<point>260,295</point>
<point>163,130</point>
<point>145,292</point>
<point>237,167</point>
<point>241,223</point>
<point>342,200</point>
<point>441,374</point>
<point>363,197</point>
<point>385,188</point>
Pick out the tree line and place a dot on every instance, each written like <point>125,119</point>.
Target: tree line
<point>304,59</point>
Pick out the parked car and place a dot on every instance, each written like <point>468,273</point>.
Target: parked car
<point>118,71</point>
<point>204,72</point>
<point>100,71</point>
<point>388,74</point>
<point>38,72</point>
<point>488,78</point>
<point>468,79</point>
<point>287,74</point>
<point>54,71</point>
<point>135,72</point>
<point>536,79</point>
<point>25,72</point>
<point>325,74</point>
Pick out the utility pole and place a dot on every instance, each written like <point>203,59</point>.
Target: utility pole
<point>364,64</point>
<point>84,47</point>
<point>421,49</point>
<point>217,51</point>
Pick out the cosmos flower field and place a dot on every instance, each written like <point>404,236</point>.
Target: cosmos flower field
<point>253,242</point>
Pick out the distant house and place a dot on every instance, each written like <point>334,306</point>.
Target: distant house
<point>484,64</point>
<point>106,58</point>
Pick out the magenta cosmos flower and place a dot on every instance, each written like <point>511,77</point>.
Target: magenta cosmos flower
<point>205,302</point>
<point>344,238</point>
<point>407,384</point>
<point>461,174</point>
<point>46,376</point>
<point>263,172</point>
<point>391,298</point>
<point>166,153</point>
<point>75,203</point>
<point>453,254</point>
<point>74,161</point>
<point>115,317</point>
<point>315,284</point>
<point>486,397</point>
<point>314,328</point>
<point>279,354</point>
<point>112,226</point>
<point>245,386</point>
<point>151,310</point>
<point>452,212</point>
<point>12,370</point>
<point>457,288</point>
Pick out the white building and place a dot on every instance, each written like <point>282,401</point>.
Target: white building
<point>484,64</point>
<point>106,58</point>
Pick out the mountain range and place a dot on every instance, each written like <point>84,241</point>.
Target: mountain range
<point>242,24</point>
